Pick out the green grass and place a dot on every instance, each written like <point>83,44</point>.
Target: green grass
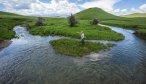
<point>93,13</point>
<point>109,19</point>
<point>55,26</point>
<point>59,26</point>
<point>135,15</point>
<point>75,49</point>
<point>134,23</point>
<point>6,28</point>
<point>8,21</point>
<point>141,33</point>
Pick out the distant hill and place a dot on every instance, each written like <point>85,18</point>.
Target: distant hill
<point>135,15</point>
<point>7,14</point>
<point>92,13</point>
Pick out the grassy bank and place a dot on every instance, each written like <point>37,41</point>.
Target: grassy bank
<point>8,21</point>
<point>74,48</point>
<point>133,23</point>
<point>6,27</point>
<point>141,33</point>
<point>59,26</point>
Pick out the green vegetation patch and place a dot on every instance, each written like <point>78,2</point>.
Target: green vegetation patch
<point>133,23</point>
<point>93,13</point>
<point>8,21</point>
<point>59,26</point>
<point>6,28</point>
<point>74,48</point>
<point>109,19</point>
<point>135,15</point>
<point>141,33</point>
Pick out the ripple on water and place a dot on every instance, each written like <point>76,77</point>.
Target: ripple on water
<point>31,60</point>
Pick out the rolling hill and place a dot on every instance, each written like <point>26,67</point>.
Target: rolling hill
<point>6,14</point>
<point>135,15</point>
<point>92,13</point>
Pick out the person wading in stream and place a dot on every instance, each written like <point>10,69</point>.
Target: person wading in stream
<point>82,36</point>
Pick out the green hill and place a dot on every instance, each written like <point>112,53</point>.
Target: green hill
<point>7,14</point>
<point>92,13</point>
<point>135,15</point>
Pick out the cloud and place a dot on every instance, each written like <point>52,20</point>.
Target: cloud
<point>36,7</point>
<point>106,5</point>
<point>64,7</point>
<point>143,8</point>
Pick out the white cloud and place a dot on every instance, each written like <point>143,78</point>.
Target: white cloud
<point>143,8</point>
<point>124,10</point>
<point>64,7</point>
<point>106,5</point>
<point>36,7</point>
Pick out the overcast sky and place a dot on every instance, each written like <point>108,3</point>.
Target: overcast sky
<point>66,7</point>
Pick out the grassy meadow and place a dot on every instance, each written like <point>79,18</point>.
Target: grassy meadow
<point>135,15</point>
<point>109,19</point>
<point>137,21</point>
<point>8,21</point>
<point>74,48</point>
<point>59,26</point>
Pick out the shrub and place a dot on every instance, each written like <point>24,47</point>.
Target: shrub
<point>94,22</point>
<point>40,21</point>
<point>72,20</point>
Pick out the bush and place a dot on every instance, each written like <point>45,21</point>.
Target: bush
<point>94,22</point>
<point>72,20</point>
<point>40,21</point>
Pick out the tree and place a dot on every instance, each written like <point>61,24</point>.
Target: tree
<point>72,20</point>
<point>40,21</point>
<point>94,21</point>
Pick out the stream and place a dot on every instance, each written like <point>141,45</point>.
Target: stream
<point>31,60</point>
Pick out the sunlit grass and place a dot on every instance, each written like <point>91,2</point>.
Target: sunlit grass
<point>74,48</point>
<point>59,26</point>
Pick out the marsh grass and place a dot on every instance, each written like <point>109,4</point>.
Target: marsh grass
<point>8,21</point>
<point>59,26</point>
<point>74,48</point>
<point>141,33</point>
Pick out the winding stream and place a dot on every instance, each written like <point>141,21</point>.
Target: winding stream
<point>31,60</point>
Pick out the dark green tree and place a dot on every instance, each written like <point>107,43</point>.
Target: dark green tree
<point>72,20</point>
<point>40,21</point>
<point>95,22</point>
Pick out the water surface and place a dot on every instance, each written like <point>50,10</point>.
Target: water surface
<point>31,60</point>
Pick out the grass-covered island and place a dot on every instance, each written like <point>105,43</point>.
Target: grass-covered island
<point>74,48</point>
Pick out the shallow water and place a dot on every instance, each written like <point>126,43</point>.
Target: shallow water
<point>31,60</point>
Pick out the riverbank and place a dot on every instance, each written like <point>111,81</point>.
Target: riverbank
<point>130,23</point>
<point>8,21</point>
<point>141,33</point>
<point>4,44</point>
<point>74,48</point>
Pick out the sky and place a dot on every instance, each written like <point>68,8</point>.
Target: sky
<point>66,7</point>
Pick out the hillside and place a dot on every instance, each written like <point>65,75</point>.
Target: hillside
<point>6,14</point>
<point>8,21</point>
<point>109,19</point>
<point>92,13</point>
<point>135,15</point>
